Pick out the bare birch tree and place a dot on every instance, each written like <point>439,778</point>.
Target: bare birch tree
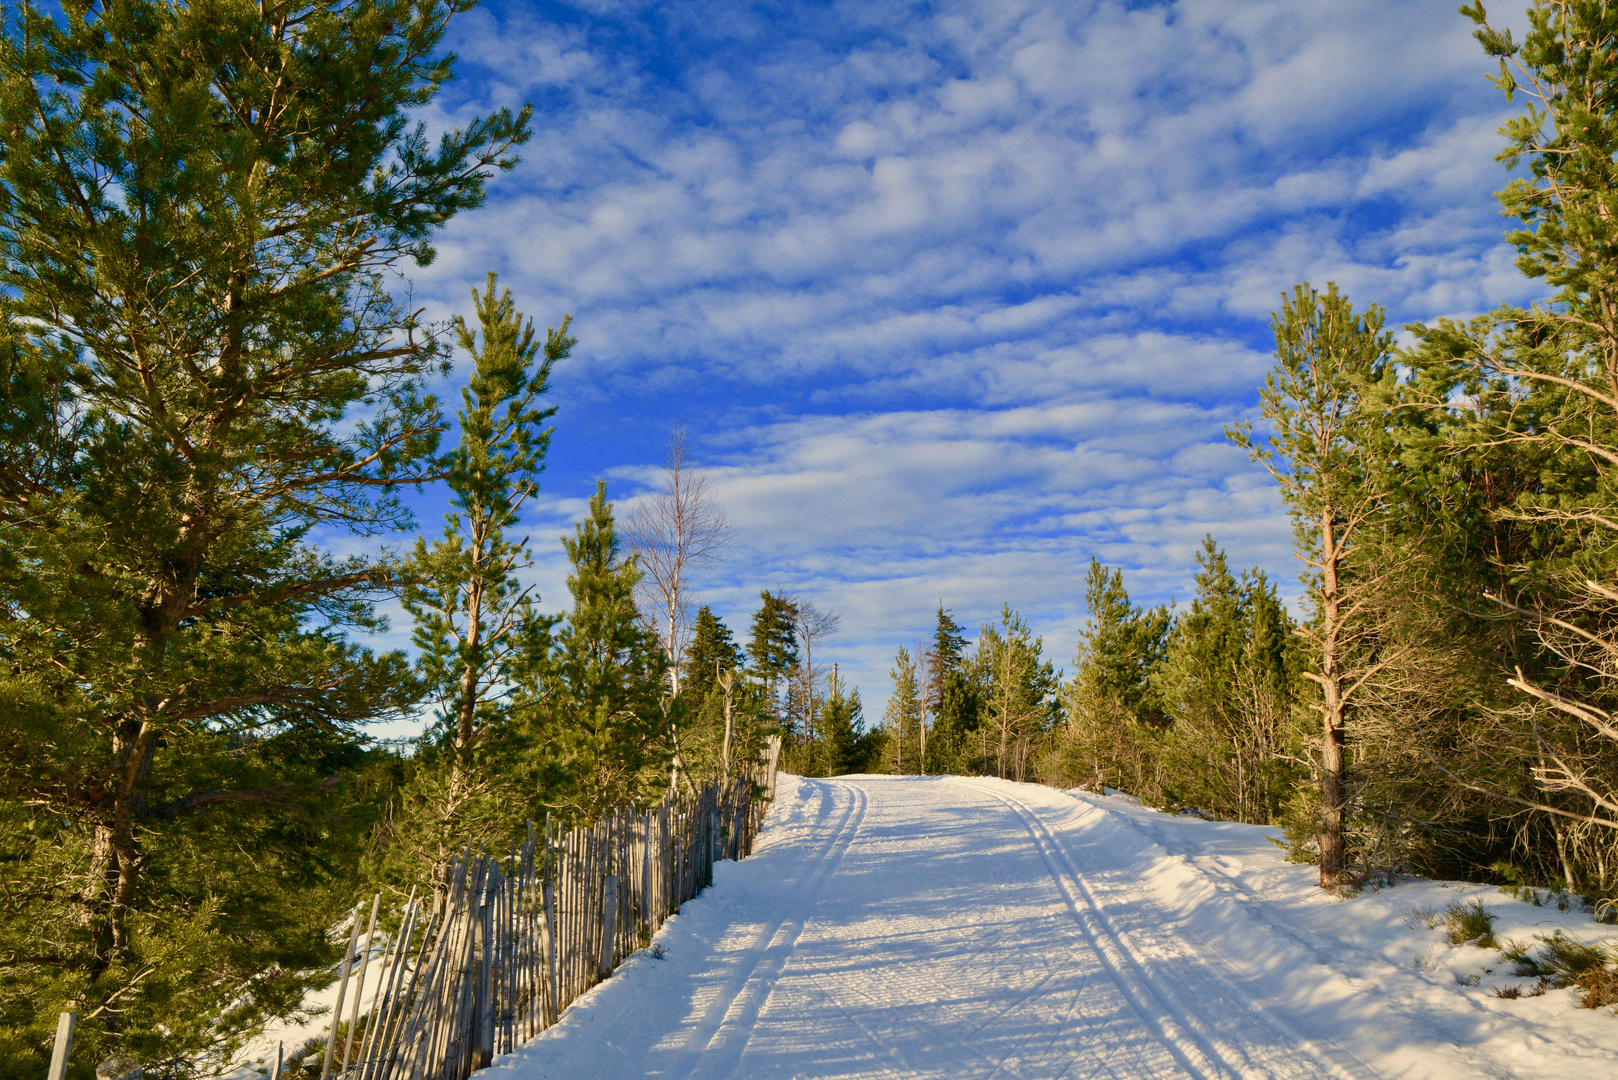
<point>673,532</point>
<point>812,625</point>
<point>677,530</point>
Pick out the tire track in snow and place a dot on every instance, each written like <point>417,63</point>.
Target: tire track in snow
<point>1195,1043</point>
<point>727,1024</point>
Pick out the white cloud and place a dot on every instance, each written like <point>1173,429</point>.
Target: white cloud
<point>953,298</point>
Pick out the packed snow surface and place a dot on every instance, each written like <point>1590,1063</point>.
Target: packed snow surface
<point>950,927</point>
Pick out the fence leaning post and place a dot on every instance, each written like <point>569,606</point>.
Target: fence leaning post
<point>64,1045</point>
<point>342,991</point>
<point>609,923</point>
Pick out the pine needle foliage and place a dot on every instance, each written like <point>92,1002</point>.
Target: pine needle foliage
<point>200,205</point>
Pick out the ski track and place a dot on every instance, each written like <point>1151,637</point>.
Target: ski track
<point>952,927</point>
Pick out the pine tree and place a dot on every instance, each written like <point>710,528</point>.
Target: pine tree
<point>596,693</point>
<point>1327,355</point>
<point>1019,703</point>
<point>474,618</point>
<point>1226,688</point>
<point>200,207</point>
<point>844,745</point>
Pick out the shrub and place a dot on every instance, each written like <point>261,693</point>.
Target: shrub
<point>1562,961</point>
<point>1469,921</point>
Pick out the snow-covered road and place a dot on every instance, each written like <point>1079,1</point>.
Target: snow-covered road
<point>944,927</point>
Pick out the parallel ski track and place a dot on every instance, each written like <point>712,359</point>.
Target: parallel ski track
<point>727,1024</point>
<point>1193,1041</point>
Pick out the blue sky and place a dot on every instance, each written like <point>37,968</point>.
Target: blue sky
<point>951,297</point>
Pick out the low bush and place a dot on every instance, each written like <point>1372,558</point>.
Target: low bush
<point>1469,921</point>
<point>1561,960</point>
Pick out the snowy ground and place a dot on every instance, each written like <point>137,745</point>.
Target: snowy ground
<point>944,927</point>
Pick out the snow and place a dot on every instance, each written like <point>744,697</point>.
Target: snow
<point>952,927</point>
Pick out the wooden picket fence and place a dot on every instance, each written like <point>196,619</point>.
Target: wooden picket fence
<point>516,939</point>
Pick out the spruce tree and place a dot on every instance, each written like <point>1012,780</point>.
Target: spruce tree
<point>200,208</point>
<point>713,650</point>
<point>595,694</point>
<point>772,651</point>
<point>948,643</point>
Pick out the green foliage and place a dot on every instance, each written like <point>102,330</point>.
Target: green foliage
<point>953,744</point>
<point>901,719</point>
<point>1226,683</point>
<point>1020,706</point>
<point>181,710</point>
<point>1114,711</point>
<point>772,651</point>
<point>713,651</point>
<point>593,693</point>
<point>1469,922</point>
<point>1561,960</point>
<point>474,620</point>
<point>847,747</point>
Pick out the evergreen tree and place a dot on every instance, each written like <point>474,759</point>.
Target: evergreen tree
<point>473,616</point>
<point>1114,712</point>
<point>200,205</point>
<point>1225,682</point>
<point>595,691</point>
<point>948,644</point>
<point>713,650</point>
<point>1327,354</point>
<point>845,747</point>
<point>1019,702</point>
<point>952,745</point>
<point>773,650</point>
<point>902,717</point>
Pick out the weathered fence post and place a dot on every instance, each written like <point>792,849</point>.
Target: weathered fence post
<point>342,992</point>
<point>359,990</point>
<point>609,923</point>
<point>64,1045</point>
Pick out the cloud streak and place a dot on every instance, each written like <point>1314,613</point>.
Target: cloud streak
<point>953,296</point>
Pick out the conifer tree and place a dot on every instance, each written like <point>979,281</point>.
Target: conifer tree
<point>1541,380</point>
<point>1226,689</point>
<point>1019,700</point>
<point>842,720</point>
<point>902,717</point>
<point>595,692</point>
<point>713,650</point>
<point>772,651</point>
<point>200,205</point>
<point>943,659</point>
<point>1114,712</point>
<point>957,723</point>
<point>474,618</point>
<point>1327,355</point>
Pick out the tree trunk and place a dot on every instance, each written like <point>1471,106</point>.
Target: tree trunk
<point>1333,786</point>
